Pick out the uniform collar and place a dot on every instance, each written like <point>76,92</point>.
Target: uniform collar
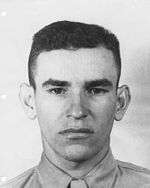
<point>52,176</point>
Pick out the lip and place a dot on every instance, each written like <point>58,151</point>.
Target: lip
<point>81,133</point>
<point>77,135</point>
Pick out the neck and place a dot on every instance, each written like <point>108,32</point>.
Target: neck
<point>74,169</point>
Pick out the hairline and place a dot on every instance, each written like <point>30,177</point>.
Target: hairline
<point>71,48</point>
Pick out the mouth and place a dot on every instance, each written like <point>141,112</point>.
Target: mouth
<point>81,133</point>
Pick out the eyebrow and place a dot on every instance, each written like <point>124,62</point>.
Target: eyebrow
<point>93,83</point>
<point>99,82</point>
<point>53,82</point>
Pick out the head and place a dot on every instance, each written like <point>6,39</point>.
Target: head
<point>74,70</point>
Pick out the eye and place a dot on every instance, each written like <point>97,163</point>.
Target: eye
<point>96,91</point>
<point>57,91</point>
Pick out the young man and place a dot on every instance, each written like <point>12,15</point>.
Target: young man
<point>74,70</point>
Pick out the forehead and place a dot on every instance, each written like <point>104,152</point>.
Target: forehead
<point>76,65</point>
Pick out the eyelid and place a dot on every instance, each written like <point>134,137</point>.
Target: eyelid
<point>97,87</point>
<point>101,90</point>
<point>59,90</point>
<point>62,90</point>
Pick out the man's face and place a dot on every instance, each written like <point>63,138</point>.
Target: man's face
<point>75,100</point>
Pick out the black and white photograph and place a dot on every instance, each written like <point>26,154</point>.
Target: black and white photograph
<point>75,94</point>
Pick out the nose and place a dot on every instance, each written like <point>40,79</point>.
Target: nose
<point>78,108</point>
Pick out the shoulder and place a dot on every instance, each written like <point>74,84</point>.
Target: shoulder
<point>21,180</point>
<point>132,168</point>
<point>133,173</point>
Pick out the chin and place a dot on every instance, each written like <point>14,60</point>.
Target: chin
<point>78,153</point>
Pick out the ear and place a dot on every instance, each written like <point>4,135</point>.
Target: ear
<point>123,100</point>
<point>26,96</point>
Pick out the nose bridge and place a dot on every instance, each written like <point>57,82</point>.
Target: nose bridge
<point>77,106</point>
<point>77,99</point>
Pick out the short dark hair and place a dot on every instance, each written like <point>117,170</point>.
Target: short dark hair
<point>71,35</point>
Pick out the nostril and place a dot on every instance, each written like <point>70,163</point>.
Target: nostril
<point>79,115</point>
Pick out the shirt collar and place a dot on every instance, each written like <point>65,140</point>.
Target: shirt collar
<point>52,176</point>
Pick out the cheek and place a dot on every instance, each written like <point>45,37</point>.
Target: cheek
<point>104,108</point>
<point>48,112</point>
<point>104,111</point>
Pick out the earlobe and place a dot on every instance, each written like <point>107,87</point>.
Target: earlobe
<point>26,96</point>
<point>123,100</point>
